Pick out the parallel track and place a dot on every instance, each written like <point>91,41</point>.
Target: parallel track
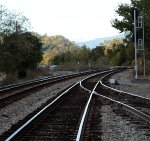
<point>13,87</point>
<point>137,105</point>
<point>74,115</point>
<point>58,122</point>
<point>11,93</point>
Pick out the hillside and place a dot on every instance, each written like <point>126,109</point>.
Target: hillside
<point>93,43</point>
<point>55,45</point>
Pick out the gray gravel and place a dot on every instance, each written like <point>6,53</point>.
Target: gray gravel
<point>127,83</point>
<point>115,128</point>
<point>18,110</point>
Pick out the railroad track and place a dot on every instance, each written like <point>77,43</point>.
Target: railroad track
<point>137,105</point>
<point>11,93</point>
<point>14,87</point>
<point>73,115</point>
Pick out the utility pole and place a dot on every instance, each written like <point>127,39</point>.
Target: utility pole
<point>139,46</point>
<point>135,45</point>
<point>143,44</point>
<point>16,27</point>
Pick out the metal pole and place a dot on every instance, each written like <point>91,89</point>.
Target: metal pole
<point>144,62</point>
<point>78,63</point>
<point>16,27</point>
<point>143,46</point>
<point>135,45</point>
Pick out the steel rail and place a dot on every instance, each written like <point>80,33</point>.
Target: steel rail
<point>3,100</point>
<point>84,87</point>
<point>128,108</point>
<point>18,85</point>
<point>31,85</point>
<point>120,91</point>
<point>132,110</point>
<point>92,76</point>
<point>12,136</point>
<point>40,112</point>
<point>85,113</point>
<point>25,82</point>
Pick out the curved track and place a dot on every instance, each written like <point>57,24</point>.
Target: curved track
<point>76,113</point>
<point>137,105</point>
<point>11,93</point>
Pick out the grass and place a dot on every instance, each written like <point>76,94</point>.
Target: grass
<point>30,74</point>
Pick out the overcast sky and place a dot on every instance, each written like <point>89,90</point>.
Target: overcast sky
<point>77,20</point>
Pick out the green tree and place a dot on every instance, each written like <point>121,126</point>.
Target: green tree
<point>58,46</point>
<point>119,55</point>
<point>97,53</point>
<point>126,23</point>
<point>84,55</point>
<point>19,49</point>
<point>20,52</point>
<point>11,22</point>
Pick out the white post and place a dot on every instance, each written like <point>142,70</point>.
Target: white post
<point>135,45</point>
<point>89,66</point>
<point>78,63</point>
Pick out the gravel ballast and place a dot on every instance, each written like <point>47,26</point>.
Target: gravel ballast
<point>115,128</point>
<point>127,83</point>
<point>18,110</point>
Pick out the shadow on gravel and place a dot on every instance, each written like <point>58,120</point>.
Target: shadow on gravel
<point>140,81</point>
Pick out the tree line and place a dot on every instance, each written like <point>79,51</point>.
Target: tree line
<point>125,24</point>
<point>19,49</point>
<point>111,53</point>
<point>58,50</point>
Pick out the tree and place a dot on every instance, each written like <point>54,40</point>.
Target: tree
<point>56,46</point>
<point>11,22</point>
<point>20,52</point>
<point>97,53</point>
<point>84,55</point>
<point>126,23</point>
<point>119,55</point>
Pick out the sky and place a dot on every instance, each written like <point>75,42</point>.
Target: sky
<point>77,20</point>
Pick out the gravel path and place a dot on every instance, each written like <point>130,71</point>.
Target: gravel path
<point>127,83</point>
<point>18,110</point>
